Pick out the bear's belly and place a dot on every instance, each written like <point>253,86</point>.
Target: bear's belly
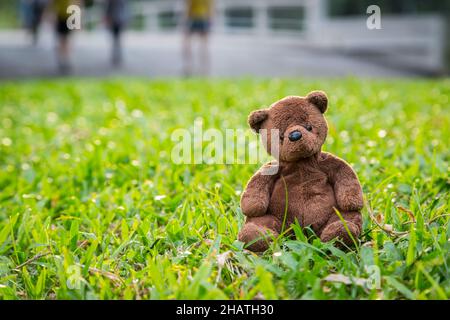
<point>310,202</point>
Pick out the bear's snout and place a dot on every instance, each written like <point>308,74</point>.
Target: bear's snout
<point>295,135</point>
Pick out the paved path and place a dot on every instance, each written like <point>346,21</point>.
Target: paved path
<point>156,55</point>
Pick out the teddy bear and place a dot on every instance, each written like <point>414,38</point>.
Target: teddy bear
<point>319,188</point>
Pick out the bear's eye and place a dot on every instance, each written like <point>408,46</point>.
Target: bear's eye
<point>308,127</point>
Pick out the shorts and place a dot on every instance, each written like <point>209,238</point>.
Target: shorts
<point>198,26</point>
<point>61,27</point>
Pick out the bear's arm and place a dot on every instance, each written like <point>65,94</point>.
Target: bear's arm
<point>347,189</point>
<point>256,196</point>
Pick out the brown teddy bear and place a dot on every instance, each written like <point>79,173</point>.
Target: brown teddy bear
<point>314,183</point>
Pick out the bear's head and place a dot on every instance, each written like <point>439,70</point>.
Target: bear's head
<point>299,123</point>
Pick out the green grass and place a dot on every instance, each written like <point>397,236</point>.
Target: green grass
<point>82,174</point>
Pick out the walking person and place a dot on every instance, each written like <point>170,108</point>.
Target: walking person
<point>116,16</point>
<point>37,11</point>
<point>31,14</point>
<point>198,20</point>
<point>26,14</point>
<point>62,32</point>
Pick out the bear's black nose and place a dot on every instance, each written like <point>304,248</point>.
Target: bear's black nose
<point>295,135</point>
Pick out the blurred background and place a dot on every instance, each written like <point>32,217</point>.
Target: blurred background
<point>224,38</point>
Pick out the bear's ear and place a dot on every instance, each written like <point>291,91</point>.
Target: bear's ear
<point>256,118</point>
<point>319,99</point>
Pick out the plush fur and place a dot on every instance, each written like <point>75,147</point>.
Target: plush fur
<point>317,183</point>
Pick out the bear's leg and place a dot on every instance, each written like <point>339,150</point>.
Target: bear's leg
<point>259,231</point>
<point>336,229</point>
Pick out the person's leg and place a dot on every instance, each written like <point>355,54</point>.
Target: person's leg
<point>63,53</point>
<point>39,12</point>
<point>34,33</point>
<point>63,45</point>
<point>204,53</point>
<point>34,29</point>
<point>116,46</point>
<point>187,51</point>
<point>35,19</point>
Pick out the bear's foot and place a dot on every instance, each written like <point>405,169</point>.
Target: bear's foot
<point>337,230</point>
<point>258,232</point>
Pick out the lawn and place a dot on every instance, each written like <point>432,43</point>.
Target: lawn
<point>91,205</point>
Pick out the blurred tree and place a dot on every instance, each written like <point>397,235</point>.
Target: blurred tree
<point>9,14</point>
